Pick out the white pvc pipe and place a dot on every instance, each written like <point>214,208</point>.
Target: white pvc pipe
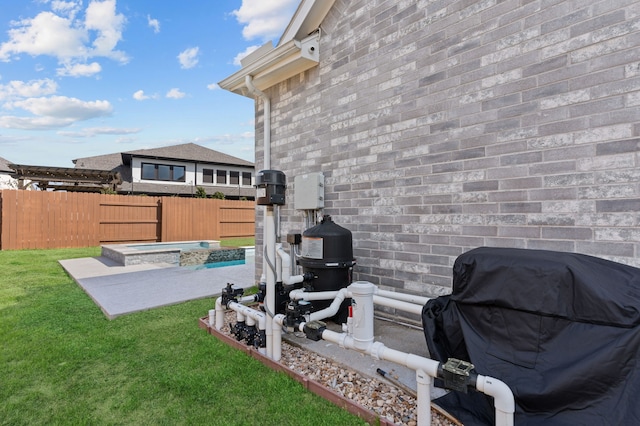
<point>285,273</point>
<point>362,341</point>
<point>218,320</point>
<point>300,294</point>
<point>378,300</point>
<point>332,309</point>
<point>362,309</point>
<point>503,399</point>
<point>251,317</point>
<point>418,300</point>
<point>398,304</point>
<point>219,314</point>
<point>278,320</point>
<point>423,393</point>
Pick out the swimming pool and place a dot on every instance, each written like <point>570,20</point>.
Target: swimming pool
<point>186,245</point>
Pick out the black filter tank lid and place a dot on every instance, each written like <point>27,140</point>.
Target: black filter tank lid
<point>337,241</point>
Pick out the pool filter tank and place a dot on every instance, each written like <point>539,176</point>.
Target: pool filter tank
<point>326,253</point>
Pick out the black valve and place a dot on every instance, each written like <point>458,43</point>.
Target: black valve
<point>238,330</point>
<point>248,334</point>
<point>297,312</point>
<point>314,329</point>
<point>457,374</point>
<point>230,294</point>
<point>260,340</point>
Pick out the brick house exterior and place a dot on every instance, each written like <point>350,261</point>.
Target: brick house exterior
<point>445,125</point>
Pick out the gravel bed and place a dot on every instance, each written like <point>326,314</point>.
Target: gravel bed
<point>386,400</point>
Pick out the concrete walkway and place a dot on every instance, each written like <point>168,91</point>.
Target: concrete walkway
<point>120,290</point>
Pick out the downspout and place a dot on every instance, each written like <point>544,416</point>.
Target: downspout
<point>269,225</point>
<point>266,120</point>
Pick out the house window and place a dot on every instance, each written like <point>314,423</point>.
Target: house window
<point>246,178</point>
<point>207,175</point>
<point>148,171</point>
<point>221,177</point>
<point>234,178</point>
<point>163,172</point>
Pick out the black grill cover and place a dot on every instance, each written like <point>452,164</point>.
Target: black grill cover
<point>561,329</point>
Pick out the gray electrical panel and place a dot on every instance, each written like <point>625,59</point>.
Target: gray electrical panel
<point>308,191</point>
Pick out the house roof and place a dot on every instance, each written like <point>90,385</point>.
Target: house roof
<point>4,166</point>
<point>296,52</point>
<point>189,152</point>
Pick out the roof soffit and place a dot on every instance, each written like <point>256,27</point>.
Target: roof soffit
<point>296,52</point>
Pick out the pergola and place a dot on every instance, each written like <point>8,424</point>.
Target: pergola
<point>67,179</point>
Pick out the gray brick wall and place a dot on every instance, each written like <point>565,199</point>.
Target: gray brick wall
<point>441,126</point>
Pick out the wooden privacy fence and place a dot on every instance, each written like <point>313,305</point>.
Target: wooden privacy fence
<point>39,219</point>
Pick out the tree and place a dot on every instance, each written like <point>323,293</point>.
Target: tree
<point>218,195</point>
<point>200,192</point>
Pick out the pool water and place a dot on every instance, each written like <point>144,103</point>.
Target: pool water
<point>216,264</point>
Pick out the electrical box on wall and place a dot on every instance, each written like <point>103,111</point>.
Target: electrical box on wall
<point>309,191</point>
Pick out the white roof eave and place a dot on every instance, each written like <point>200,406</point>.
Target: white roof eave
<point>296,52</point>
<point>279,64</point>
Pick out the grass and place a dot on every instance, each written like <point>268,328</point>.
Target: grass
<point>62,362</point>
<point>238,242</point>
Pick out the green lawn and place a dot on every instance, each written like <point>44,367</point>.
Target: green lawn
<point>238,242</point>
<point>62,362</point>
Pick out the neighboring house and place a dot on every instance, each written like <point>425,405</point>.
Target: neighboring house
<point>442,126</point>
<point>177,170</point>
<point>8,180</point>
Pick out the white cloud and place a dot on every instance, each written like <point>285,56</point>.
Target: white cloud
<point>240,56</point>
<point>53,112</point>
<point>153,23</point>
<point>79,70</point>
<point>213,86</point>
<point>175,93</point>
<point>140,96</point>
<point>101,16</point>
<point>125,140</point>
<point>46,34</point>
<point>264,19</point>
<point>64,107</point>
<point>95,131</point>
<point>19,89</point>
<point>68,8</point>
<point>71,40</point>
<point>189,57</point>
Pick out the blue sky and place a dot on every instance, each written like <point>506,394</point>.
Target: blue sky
<point>83,78</point>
